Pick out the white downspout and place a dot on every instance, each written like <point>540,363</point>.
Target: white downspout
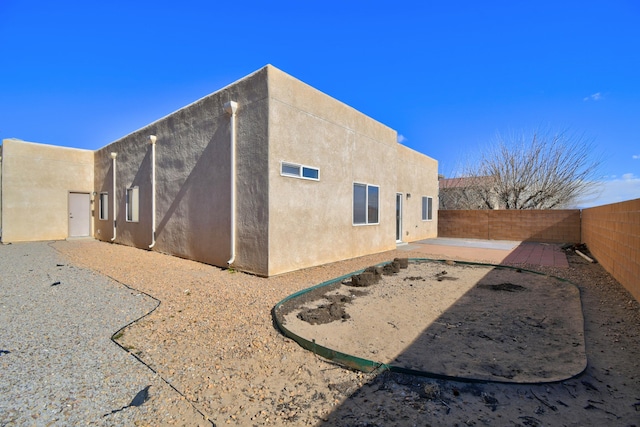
<point>113,157</point>
<point>152,141</point>
<point>231,107</point>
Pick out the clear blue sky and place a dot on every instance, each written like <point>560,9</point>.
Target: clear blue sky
<point>447,75</point>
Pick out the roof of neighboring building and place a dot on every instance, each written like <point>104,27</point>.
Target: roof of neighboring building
<point>463,182</point>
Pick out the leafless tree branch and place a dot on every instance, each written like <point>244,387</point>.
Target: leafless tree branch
<point>545,171</point>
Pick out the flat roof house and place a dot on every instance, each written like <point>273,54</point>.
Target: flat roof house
<point>267,175</point>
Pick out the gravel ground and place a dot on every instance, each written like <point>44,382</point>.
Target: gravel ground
<point>58,363</point>
<point>216,352</point>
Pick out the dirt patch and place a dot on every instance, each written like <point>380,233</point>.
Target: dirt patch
<point>469,321</point>
<point>505,287</point>
<point>333,310</point>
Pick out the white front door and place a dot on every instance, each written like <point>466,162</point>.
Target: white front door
<point>79,214</point>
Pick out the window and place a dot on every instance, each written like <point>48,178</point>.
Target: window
<point>132,204</point>
<point>427,208</point>
<point>365,204</point>
<point>299,171</point>
<point>103,206</point>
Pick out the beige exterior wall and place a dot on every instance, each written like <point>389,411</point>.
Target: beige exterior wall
<point>417,178</point>
<point>36,182</point>
<point>193,179</point>
<point>311,222</point>
<point>282,223</point>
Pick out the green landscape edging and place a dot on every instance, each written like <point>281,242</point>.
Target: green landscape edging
<point>370,366</point>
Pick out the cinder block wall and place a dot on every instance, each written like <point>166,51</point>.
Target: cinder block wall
<point>470,224</point>
<point>552,226</point>
<point>612,234</point>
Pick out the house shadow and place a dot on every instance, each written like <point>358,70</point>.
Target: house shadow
<point>536,253</point>
<point>509,326</point>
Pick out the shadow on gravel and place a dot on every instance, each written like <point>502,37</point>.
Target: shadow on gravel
<point>141,397</point>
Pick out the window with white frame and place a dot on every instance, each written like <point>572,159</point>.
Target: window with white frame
<point>366,204</point>
<point>427,208</point>
<point>299,171</point>
<point>132,204</point>
<point>103,206</point>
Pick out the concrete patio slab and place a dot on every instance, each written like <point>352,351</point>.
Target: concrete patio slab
<point>489,251</point>
<point>472,243</point>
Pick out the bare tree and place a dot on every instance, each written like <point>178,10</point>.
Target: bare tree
<point>468,192</point>
<point>545,171</point>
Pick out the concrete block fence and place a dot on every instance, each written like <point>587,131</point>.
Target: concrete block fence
<point>552,226</point>
<point>611,232</point>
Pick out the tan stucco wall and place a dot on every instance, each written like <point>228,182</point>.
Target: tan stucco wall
<point>283,223</point>
<point>37,179</point>
<point>193,180</point>
<point>417,177</point>
<point>311,221</point>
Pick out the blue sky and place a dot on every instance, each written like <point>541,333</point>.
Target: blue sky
<point>448,76</point>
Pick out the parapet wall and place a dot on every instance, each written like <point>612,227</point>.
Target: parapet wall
<point>612,234</point>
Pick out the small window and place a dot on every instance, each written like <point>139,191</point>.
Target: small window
<point>103,206</point>
<point>299,171</point>
<point>290,170</point>
<point>366,204</point>
<point>427,208</point>
<point>310,173</point>
<point>132,204</point>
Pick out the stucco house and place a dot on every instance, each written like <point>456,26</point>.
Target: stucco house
<point>266,175</point>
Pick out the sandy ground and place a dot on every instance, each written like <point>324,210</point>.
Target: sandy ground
<point>494,324</point>
<point>213,339</point>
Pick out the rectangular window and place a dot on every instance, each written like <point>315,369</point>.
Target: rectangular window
<point>427,208</point>
<point>366,204</point>
<point>310,173</point>
<point>299,171</point>
<point>132,204</point>
<point>103,206</point>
